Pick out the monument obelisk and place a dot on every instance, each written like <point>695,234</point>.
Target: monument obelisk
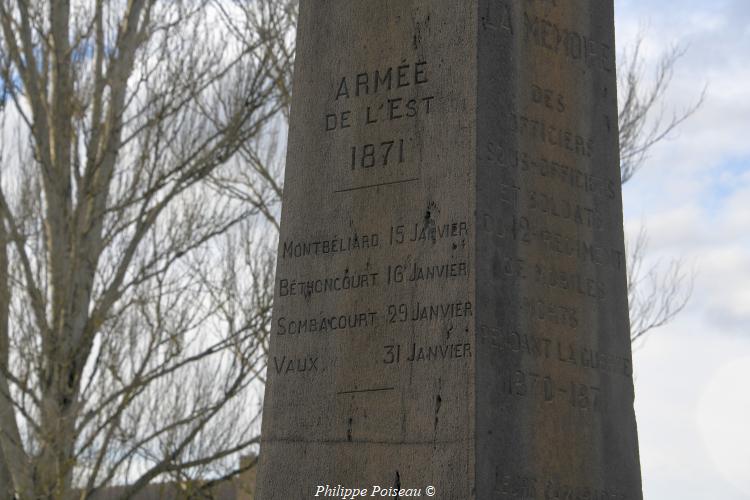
<point>450,314</point>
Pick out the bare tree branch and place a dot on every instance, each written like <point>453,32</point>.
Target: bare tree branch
<point>656,295</point>
<point>133,122</point>
<point>642,119</point>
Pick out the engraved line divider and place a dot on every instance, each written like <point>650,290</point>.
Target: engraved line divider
<point>370,186</point>
<point>360,391</point>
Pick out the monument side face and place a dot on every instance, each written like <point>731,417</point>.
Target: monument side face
<point>554,375</point>
<point>450,306</point>
<point>370,370</point>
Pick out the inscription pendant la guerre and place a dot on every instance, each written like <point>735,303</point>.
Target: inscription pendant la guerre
<point>450,307</point>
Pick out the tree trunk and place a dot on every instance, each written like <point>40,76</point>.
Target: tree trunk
<point>5,481</point>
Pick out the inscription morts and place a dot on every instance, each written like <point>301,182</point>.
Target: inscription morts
<point>450,307</point>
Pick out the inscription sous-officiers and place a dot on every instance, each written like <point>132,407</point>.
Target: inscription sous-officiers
<point>541,166</point>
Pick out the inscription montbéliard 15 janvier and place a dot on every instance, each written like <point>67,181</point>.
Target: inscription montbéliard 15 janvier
<point>419,232</point>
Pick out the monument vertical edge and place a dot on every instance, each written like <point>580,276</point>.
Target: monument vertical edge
<point>554,366</point>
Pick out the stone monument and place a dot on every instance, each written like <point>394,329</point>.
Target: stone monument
<point>451,316</point>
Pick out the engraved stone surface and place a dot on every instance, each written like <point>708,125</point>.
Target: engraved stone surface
<point>450,305</point>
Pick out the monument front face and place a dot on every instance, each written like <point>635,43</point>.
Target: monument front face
<point>450,302</point>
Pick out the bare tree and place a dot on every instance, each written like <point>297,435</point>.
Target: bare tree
<point>642,118</point>
<point>655,295</point>
<point>127,354</point>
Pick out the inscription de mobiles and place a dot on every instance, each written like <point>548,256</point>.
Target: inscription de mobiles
<point>538,165</point>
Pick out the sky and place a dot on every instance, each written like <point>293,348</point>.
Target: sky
<point>692,377</point>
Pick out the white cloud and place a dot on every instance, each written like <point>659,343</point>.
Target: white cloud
<point>694,198</point>
<point>723,409</point>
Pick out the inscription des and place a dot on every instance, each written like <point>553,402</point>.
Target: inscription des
<point>548,98</point>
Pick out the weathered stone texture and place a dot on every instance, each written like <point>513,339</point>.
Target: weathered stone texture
<point>450,301</point>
